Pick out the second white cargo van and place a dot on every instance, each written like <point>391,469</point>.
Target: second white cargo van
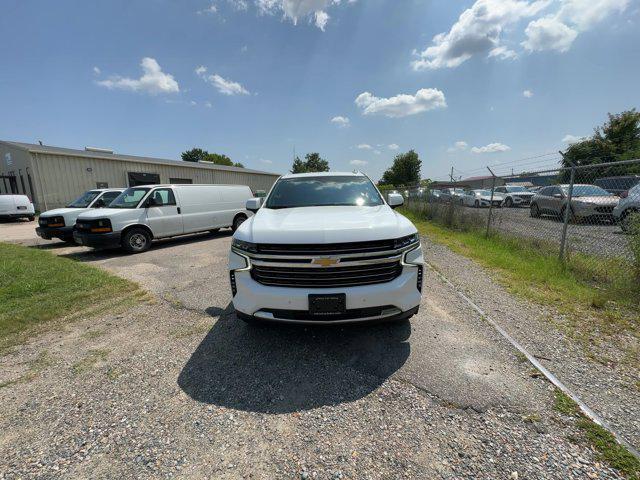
<point>16,206</point>
<point>144,213</point>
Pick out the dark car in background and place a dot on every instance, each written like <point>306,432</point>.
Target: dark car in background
<point>618,185</point>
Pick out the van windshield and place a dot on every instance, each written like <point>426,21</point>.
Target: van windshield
<point>324,191</point>
<point>84,200</point>
<point>130,198</point>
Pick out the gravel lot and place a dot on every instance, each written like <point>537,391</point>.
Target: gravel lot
<point>179,387</point>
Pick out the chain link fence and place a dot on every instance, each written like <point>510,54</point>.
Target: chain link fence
<point>583,214</point>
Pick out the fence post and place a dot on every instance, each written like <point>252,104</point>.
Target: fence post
<point>493,186</point>
<point>567,214</point>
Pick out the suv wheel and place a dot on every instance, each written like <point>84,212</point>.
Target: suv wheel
<point>508,202</point>
<point>136,240</point>
<point>534,210</point>
<point>476,204</point>
<point>572,216</point>
<point>237,222</point>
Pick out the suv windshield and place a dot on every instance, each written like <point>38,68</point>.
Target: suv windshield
<point>84,200</point>
<point>324,191</point>
<point>516,189</point>
<point>586,191</point>
<point>130,198</point>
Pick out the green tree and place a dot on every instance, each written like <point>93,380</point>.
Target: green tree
<point>238,164</point>
<point>218,159</point>
<point>404,171</point>
<point>618,139</point>
<point>194,155</point>
<point>313,162</point>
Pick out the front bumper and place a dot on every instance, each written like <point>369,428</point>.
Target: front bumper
<point>97,240</point>
<point>522,201</point>
<point>400,299</point>
<point>63,233</point>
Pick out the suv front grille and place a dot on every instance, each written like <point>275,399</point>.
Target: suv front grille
<point>327,248</point>
<point>296,277</point>
<point>604,209</point>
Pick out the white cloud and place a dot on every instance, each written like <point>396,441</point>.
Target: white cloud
<point>342,122</point>
<point>294,10</point>
<point>393,146</point>
<point>558,31</point>
<point>224,86</point>
<point>569,139</point>
<point>364,146</point>
<point>265,161</point>
<point>477,31</point>
<point>548,33</point>
<point>401,105</point>
<point>527,94</point>
<point>153,81</point>
<point>211,9</point>
<point>208,104</point>
<point>358,163</point>
<point>321,19</point>
<point>491,148</point>
<point>503,53</point>
<point>377,152</point>
<point>193,103</point>
<point>96,71</point>
<point>459,146</point>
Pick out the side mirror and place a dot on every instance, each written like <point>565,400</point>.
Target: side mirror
<point>395,200</point>
<point>557,195</point>
<point>151,202</point>
<point>254,204</point>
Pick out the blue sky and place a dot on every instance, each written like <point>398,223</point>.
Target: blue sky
<point>357,81</point>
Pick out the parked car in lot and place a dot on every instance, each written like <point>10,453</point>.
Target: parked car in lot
<point>618,185</point>
<point>15,207</point>
<point>588,201</point>
<point>515,195</point>
<point>325,248</point>
<point>628,208</point>
<point>145,213</point>
<point>452,195</point>
<point>481,198</point>
<point>60,222</point>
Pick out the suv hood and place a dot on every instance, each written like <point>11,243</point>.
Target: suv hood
<point>324,225</point>
<point>599,200</point>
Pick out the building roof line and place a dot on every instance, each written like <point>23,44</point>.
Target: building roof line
<point>50,150</point>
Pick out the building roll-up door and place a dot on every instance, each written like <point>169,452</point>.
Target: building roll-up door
<point>141,178</point>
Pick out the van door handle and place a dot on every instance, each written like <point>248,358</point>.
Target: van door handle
<point>178,209</point>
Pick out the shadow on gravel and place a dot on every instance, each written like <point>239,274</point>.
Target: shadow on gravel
<point>283,369</point>
<point>91,255</point>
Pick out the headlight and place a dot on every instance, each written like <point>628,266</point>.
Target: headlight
<point>244,246</point>
<point>406,241</point>
<point>102,225</point>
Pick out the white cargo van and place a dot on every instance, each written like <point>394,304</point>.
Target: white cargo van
<point>147,212</point>
<point>16,206</point>
<point>59,223</point>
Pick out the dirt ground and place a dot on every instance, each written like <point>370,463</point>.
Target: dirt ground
<point>179,387</point>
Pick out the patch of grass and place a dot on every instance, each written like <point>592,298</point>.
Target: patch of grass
<point>88,362</point>
<point>37,287</point>
<point>598,296</point>
<point>609,450</point>
<point>42,361</point>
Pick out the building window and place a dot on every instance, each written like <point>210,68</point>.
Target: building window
<point>141,178</point>
<point>179,181</point>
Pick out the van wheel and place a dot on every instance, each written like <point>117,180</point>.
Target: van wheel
<point>136,240</point>
<point>237,222</point>
<point>31,218</point>
<point>476,204</point>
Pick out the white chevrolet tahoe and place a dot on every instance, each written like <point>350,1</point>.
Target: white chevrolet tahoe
<point>325,248</point>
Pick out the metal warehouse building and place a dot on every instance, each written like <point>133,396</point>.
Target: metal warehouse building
<point>52,176</point>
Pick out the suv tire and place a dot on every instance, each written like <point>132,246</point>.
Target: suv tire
<point>136,240</point>
<point>508,202</point>
<point>534,210</point>
<point>625,220</point>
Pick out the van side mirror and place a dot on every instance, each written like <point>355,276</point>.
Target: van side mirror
<point>395,200</point>
<point>151,202</point>
<point>254,204</point>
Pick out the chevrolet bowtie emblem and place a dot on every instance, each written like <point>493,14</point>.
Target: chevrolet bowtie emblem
<point>325,262</point>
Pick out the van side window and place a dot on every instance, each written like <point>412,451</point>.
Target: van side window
<point>164,197</point>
